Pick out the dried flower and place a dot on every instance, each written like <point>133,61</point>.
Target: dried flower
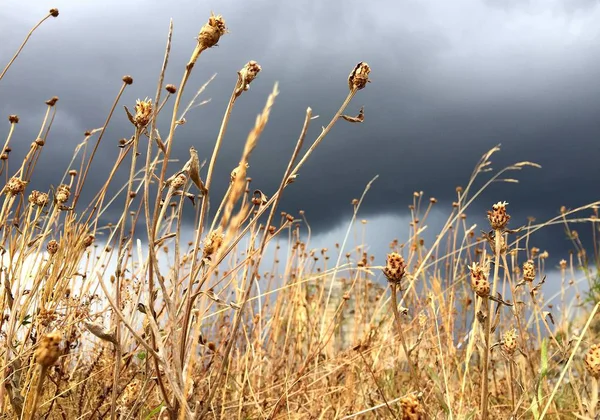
<point>563,264</point>
<point>143,112</point>
<point>395,268</point>
<point>52,247</point>
<point>179,181</point>
<point>592,361</point>
<point>63,192</point>
<point>498,217</point>
<point>213,242</point>
<point>479,281</point>
<point>171,88</point>
<point>247,75</point>
<point>529,270</point>
<point>127,79</point>
<point>212,31</point>
<point>411,408</point>
<point>48,350</point>
<point>359,77</point>
<point>13,119</point>
<point>509,341</point>
<point>53,12</point>
<point>15,186</point>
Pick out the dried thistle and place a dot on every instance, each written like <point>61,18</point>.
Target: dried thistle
<point>509,341</point>
<point>359,77</point>
<point>48,350</point>
<point>212,31</point>
<point>15,186</point>
<point>143,112</point>
<point>395,268</point>
<point>63,192</point>
<point>411,408</point>
<point>529,271</point>
<point>498,217</point>
<point>52,247</point>
<point>247,74</point>
<point>592,361</point>
<point>213,242</point>
<point>479,281</point>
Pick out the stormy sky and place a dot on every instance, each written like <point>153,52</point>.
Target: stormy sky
<point>450,80</point>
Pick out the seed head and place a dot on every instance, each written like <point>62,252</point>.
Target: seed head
<point>411,408</point>
<point>73,172</point>
<point>563,264</point>
<point>592,361</point>
<point>171,88</point>
<point>498,217</point>
<point>179,181</point>
<point>40,142</point>
<point>248,74</point>
<point>15,186</point>
<point>13,119</point>
<point>54,12</point>
<point>395,268</point>
<point>212,31</point>
<point>63,192</point>
<point>143,112</point>
<point>37,198</point>
<point>52,247</point>
<point>213,242</point>
<point>48,350</point>
<point>509,341</point>
<point>127,79</point>
<point>89,240</point>
<point>479,281</point>
<point>529,270</point>
<point>52,101</point>
<point>359,77</point>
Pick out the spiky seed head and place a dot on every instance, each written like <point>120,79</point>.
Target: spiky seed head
<point>411,408</point>
<point>528,270</point>
<point>359,77</point>
<point>212,31</point>
<point>52,247</point>
<point>592,360</point>
<point>48,350</point>
<point>171,88</point>
<point>15,186</point>
<point>479,281</point>
<point>13,119</point>
<point>63,192</point>
<point>143,112</point>
<point>497,216</point>
<point>509,341</point>
<point>395,268</point>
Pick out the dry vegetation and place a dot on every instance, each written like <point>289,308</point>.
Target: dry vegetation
<point>127,321</point>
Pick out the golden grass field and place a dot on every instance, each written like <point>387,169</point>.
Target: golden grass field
<point>127,320</point>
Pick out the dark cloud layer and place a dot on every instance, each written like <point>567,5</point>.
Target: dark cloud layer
<point>449,83</point>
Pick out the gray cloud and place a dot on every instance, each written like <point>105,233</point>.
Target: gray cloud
<point>450,81</point>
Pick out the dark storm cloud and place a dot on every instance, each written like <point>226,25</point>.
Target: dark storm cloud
<point>450,81</point>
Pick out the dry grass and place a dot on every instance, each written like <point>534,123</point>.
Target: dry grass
<point>119,321</point>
